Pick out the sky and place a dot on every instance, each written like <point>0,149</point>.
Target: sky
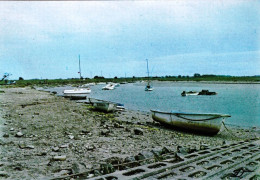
<point>114,38</point>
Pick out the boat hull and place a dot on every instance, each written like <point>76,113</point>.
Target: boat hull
<point>101,105</point>
<point>209,124</point>
<point>77,91</point>
<point>104,106</point>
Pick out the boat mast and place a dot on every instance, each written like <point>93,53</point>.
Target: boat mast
<point>148,73</point>
<point>147,68</point>
<point>79,69</point>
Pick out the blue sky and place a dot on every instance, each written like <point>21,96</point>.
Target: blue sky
<point>44,39</point>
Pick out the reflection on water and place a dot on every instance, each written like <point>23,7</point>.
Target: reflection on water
<point>241,101</point>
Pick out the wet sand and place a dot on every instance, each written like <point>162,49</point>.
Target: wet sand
<point>44,136</point>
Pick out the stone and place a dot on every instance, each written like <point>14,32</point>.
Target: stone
<point>85,131</point>
<point>19,134</point>
<point>60,158</point>
<point>64,146</point>
<point>6,135</point>
<point>105,132</point>
<point>107,168</point>
<point>30,147</point>
<point>4,174</point>
<point>77,168</point>
<point>55,149</point>
<point>90,147</point>
<point>71,136</point>
<point>165,150</point>
<point>138,131</point>
<point>116,125</point>
<point>63,172</point>
<point>12,129</point>
<point>183,150</point>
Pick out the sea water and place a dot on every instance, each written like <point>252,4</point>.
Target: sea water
<point>241,101</point>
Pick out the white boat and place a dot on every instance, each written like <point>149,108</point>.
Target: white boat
<point>109,86</point>
<point>116,84</point>
<point>203,123</point>
<point>78,91</point>
<point>101,105</point>
<point>190,93</point>
<point>148,87</point>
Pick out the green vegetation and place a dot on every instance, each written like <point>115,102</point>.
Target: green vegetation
<point>76,82</point>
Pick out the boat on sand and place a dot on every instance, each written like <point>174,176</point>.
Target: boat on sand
<point>75,97</point>
<point>102,105</point>
<point>202,123</point>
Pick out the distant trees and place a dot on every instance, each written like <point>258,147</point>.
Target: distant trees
<point>196,75</point>
<point>99,77</point>
<point>21,79</point>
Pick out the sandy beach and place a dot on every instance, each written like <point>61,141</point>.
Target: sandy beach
<point>44,136</point>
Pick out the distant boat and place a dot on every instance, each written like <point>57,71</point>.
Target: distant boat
<point>101,105</point>
<point>109,86</point>
<point>206,92</point>
<point>101,83</point>
<point>148,87</point>
<point>190,93</point>
<point>203,123</point>
<point>78,91</point>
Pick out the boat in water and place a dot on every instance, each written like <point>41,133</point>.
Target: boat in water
<point>190,93</point>
<point>78,91</point>
<point>206,92</point>
<point>109,86</point>
<point>202,123</point>
<point>148,87</point>
<point>101,105</point>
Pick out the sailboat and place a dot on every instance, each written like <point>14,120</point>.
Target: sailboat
<point>78,90</point>
<point>148,87</point>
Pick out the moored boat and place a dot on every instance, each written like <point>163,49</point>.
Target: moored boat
<point>206,92</point>
<point>203,123</point>
<point>110,86</point>
<point>190,93</point>
<point>78,91</point>
<point>148,87</point>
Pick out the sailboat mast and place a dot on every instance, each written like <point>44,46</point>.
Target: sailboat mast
<point>147,68</point>
<point>79,69</point>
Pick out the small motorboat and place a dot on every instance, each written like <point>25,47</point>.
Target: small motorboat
<point>202,123</point>
<point>190,93</point>
<point>102,105</point>
<point>78,91</point>
<point>110,86</point>
<point>206,92</point>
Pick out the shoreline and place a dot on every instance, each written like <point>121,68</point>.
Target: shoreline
<point>47,136</point>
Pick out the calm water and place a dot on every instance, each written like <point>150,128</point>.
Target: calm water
<point>241,101</point>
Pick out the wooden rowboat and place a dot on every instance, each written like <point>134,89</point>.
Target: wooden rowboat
<point>102,105</point>
<point>203,123</point>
